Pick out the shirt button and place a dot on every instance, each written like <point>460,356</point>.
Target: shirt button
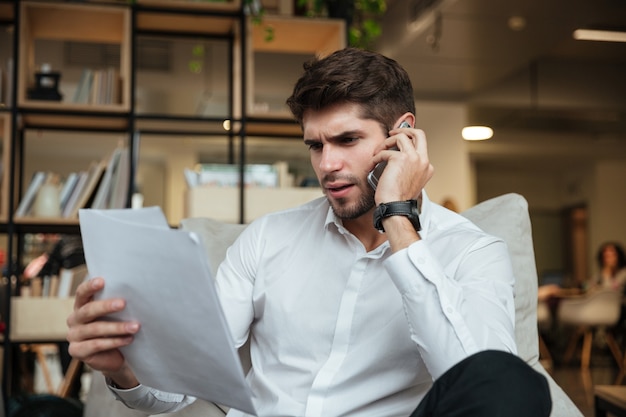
<point>449,310</point>
<point>421,261</point>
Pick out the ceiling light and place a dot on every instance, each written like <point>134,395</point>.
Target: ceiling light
<point>477,133</point>
<point>517,23</point>
<point>599,35</point>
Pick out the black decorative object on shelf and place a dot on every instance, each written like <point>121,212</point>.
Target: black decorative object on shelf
<point>46,85</point>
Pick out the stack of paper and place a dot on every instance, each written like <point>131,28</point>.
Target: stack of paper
<point>184,345</point>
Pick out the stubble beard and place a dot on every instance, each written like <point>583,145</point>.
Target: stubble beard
<point>345,210</point>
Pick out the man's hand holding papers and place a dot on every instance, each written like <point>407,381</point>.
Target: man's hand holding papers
<point>157,320</point>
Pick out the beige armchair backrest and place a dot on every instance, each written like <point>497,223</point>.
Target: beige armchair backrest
<point>507,217</point>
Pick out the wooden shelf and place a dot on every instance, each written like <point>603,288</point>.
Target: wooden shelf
<point>299,35</point>
<point>6,12</point>
<point>56,118</point>
<point>89,23</point>
<point>198,5</point>
<point>269,125</point>
<point>179,125</point>
<point>203,24</point>
<point>45,221</point>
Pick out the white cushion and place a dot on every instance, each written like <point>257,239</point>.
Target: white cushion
<point>217,236</point>
<point>507,217</point>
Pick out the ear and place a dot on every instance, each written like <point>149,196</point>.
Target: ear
<point>406,117</point>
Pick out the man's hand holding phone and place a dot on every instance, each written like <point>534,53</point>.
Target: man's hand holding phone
<point>407,172</point>
<point>375,174</point>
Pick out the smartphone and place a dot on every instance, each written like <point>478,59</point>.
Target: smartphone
<point>375,174</point>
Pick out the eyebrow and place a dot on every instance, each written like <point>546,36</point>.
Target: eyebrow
<point>335,138</point>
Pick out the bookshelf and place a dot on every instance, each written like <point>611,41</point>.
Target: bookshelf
<point>48,133</point>
<point>93,24</point>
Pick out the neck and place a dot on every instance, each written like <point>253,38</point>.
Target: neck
<point>363,229</point>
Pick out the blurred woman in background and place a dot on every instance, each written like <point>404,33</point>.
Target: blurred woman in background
<point>612,267</point>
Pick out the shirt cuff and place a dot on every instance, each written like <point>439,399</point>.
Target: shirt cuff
<point>414,258</point>
<point>130,394</point>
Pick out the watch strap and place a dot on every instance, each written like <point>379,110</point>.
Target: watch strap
<point>406,208</point>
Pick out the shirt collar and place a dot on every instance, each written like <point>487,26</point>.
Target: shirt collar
<point>332,219</point>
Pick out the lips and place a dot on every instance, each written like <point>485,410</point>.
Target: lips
<point>338,187</point>
<point>337,190</point>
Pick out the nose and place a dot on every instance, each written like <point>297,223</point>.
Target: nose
<point>330,160</point>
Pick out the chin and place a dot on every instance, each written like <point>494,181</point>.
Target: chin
<point>346,210</point>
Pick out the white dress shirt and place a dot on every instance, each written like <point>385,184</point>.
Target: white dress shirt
<point>338,331</point>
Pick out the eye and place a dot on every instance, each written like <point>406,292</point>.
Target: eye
<point>314,146</point>
<point>349,140</point>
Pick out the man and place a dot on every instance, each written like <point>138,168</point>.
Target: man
<point>355,303</point>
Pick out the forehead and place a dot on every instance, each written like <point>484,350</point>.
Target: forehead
<point>332,120</point>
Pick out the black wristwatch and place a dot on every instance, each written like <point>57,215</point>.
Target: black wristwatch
<point>406,208</point>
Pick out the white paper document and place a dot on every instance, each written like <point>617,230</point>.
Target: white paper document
<point>184,345</point>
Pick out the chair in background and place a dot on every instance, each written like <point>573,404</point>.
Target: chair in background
<point>599,309</point>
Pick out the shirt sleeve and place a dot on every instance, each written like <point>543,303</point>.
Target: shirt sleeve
<point>460,310</point>
<point>150,400</point>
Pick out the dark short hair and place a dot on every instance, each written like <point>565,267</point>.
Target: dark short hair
<point>621,256</point>
<point>378,84</point>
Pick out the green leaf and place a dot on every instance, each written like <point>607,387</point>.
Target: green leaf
<point>195,66</point>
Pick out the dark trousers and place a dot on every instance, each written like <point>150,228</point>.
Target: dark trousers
<point>488,384</point>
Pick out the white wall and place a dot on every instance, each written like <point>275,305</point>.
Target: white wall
<point>599,186</point>
<point>608,204</point>
<point>541,190</point>
<point>454,176</point>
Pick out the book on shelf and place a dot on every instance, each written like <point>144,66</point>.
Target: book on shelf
<point>228,175</point>
<point>69,279</point>
<point>26,204</point>
<point>113,86</point>
<point>121,181</point>
<point>68,187</point>
<point>83,89</point>
<point>36,287</point>
<point>103,193</point>
<point>98,86</point>
<point>54,286</point>
<point>50,286</point>
<point>72,199</point>
<point>87,193</point>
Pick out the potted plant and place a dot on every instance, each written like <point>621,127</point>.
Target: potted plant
<point>362,17</point>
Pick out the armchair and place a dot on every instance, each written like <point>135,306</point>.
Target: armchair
<point>505,217</point>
